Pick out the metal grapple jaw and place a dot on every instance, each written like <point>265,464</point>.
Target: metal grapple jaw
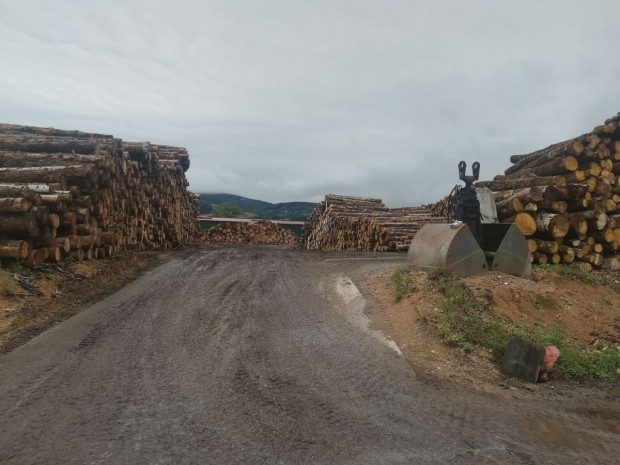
<point>454,248</point>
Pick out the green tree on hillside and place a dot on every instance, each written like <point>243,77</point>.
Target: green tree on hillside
<point>227,210</point>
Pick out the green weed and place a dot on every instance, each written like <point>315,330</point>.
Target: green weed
<point>68,260</point>
<point>544,302</point>
<point>467,322</point>
<point>14,266</point>
<point>403,283</point>
<point>8,286</point>
<point>598,278</point>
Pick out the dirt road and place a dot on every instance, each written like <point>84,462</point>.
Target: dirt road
<point>259,355</point>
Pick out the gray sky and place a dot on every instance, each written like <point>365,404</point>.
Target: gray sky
<point>288,100</point>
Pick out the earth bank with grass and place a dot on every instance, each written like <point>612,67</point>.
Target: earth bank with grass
<point>458,328</point>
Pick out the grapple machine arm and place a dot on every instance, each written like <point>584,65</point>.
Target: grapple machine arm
<point>467,246</point>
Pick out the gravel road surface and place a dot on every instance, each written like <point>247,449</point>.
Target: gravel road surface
<point>257,355</point>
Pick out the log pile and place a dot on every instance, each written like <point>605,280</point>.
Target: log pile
<point>87,195</point>
<point>566,198</point>
<point>255,232</point>
<point>344,223</point>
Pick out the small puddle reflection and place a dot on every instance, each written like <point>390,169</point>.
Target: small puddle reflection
<point>552,433</point>
<point>607,420</point>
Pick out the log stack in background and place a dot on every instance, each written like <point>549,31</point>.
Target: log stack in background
<point>344,223</point>
<point>85,194</point>
<point>254,232</point>
<point>566,198</point>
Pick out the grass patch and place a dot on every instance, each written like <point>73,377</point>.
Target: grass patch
<point>576,363</point>
<point>543,302</point>
<point>13,266</point>
<point>597,278</point>
<point>8,286</point>
<point>468,322</point>
<point>68,260</point>
<point>403,283</point>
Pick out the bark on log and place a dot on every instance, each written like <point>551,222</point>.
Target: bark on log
<point>552,167</point>
<point>14,205</point>
<point>504,183</point>
<point>556,226</point>
<point>572,147</point>
<point>14,249</point>
<point>19,225</point>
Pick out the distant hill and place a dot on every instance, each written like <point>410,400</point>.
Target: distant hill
<point>298,211</point>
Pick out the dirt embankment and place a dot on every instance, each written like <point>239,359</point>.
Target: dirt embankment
<point>31,301</point>
<point>588,315</point>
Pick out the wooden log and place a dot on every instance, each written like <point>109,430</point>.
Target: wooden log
<point>14,205</point>
<point>47,174</point>
<point>611,263</point>
<point>42,214</point>
<point>559,207</point>
<point>572,147</point>
<point>35,258</point>
<point>540,258</point>
<point>578,223</point>
<point>509,207</point>
<point>19,225</point>
<point>556,226</point>
<point>567,254</point>
<point>552,168</point>
<point>571,191</point>
<point>504,183</point>
<point>613,221</point>
<point>525,222</point>
<point>64,243</point>
<point>30,143</point>
<point>54,254</point>
<point>54,220</point>
<point>28,159</point>
<point>596,221</point>
<point>77,254</point>
<point>75,241</point>
<point>604,235</point>
<point>595,259</point>
<point>56,198</point>
<point>549,247</point>
<point>15,249</point>
<point>9,189</point>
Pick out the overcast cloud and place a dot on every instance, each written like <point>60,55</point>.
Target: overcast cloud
<point>288,100</point>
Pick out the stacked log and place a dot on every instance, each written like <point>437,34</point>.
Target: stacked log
<point>87,195</point>
<point>254,232</point>
<point>345,223</point>
<point>566,198</point>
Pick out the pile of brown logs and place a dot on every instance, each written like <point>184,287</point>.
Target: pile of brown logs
<point>87,195</point>
<point>361,224</point>
<point>254,232</point>
<point>566,198</point>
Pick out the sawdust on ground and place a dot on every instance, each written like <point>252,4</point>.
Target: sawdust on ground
<point>588,315</point>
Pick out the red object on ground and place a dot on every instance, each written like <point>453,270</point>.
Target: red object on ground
<point>552,354</point>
